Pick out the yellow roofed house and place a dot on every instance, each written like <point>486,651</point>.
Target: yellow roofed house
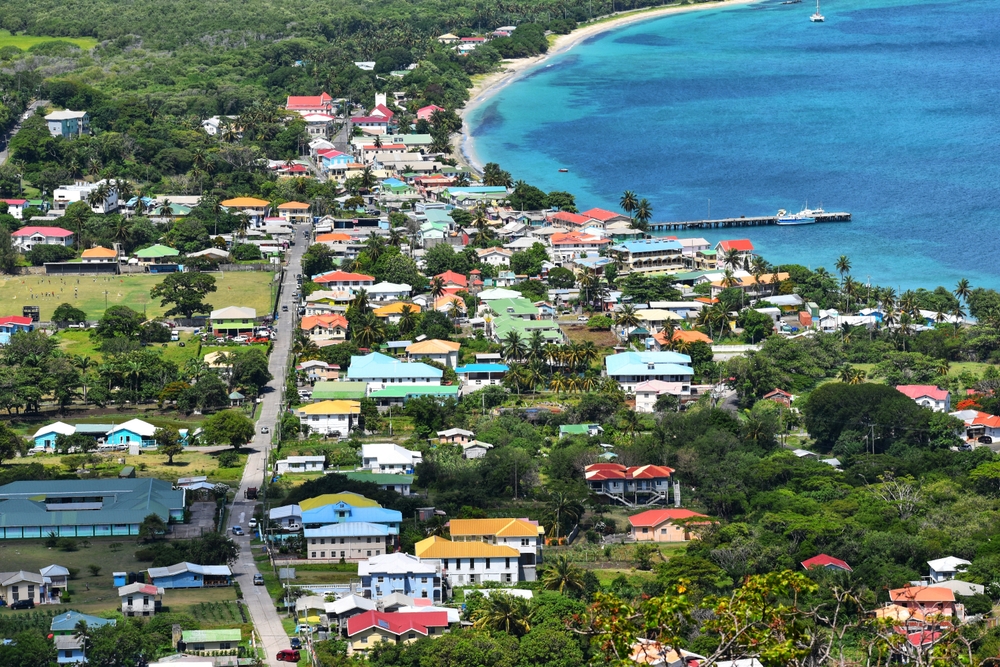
<point>764,285</point>
<point>521,534</point>
<point>394,311</point>
<point>294,212</point>
<point>346,497</point>
<point>464,563</point>
<point>442,351</point>
<point>253,208</point>
<point>98,254</point>
<point>335,418</point>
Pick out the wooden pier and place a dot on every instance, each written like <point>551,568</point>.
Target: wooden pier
<point>738,222</point>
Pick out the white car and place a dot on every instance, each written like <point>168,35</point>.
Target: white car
<point>264,429</point>
<point>241,339</point>
<point>252,523</point>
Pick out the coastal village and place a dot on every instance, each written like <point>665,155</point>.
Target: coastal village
<point>386,408</point>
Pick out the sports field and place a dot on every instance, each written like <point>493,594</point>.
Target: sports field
<point>25,42</point>
<point>251,289</point>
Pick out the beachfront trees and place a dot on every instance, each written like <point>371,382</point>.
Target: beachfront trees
<point>963,289</point>
<point>493,175</point>
<point>643,212</point>
<point>843,265</point>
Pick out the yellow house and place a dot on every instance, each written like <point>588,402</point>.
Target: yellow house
<point>294,212</point>
<point>665,525</point>
<point>368,629</point>
<point>394,311</point>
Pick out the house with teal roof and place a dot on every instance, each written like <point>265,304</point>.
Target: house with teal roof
<point>376,368</point>
<point>631,369</point>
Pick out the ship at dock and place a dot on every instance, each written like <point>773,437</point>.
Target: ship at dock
<point>807,216</point>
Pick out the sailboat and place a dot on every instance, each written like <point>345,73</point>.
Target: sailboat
<point>817,17</point>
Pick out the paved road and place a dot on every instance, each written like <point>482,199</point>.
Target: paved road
<point>6,140</point>
<point>265,616</point>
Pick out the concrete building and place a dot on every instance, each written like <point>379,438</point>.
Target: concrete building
<point>464,563</point>
<point>336,418</point>
<point>351,541</point>
<point>294,464</point>
<point>399,573</point>
<point>444,352</point>
<point>521,534</point>
<point>666,525</point>
<point>389,458</point>
<point>26,238</point>
<point>140,599</point>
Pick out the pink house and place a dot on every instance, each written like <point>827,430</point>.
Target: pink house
<point>15,207</point>
<point>425,113</point>
<point>310,104</point>
<point>27,238</point>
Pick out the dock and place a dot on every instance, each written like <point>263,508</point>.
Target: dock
<point>742,221</point>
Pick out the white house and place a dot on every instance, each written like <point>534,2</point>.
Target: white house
<point>927,396</point>
<point>647,392</point>
<point>943,569</point>
<point>139,599</point>
<point>390,458</point>
<point>65,195</point>
<point>26,238</point>
<point>475,449</point>
<point>495,256</point>
<point>464,563</point>
<point>15,207</point>
<point>300,464</point>
<point>335,418</point>
<point>520,534</point>
<point>386,291</point>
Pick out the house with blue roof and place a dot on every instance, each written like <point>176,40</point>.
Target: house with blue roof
<point>65,624</point>
<point>190,575</point>
<point>341,512</point>
<point>399,573</point>
<point>350,541</point>
<point>477,376</point>
<point>380,369</point>
<point>631,369</point>
<point>650,256</point>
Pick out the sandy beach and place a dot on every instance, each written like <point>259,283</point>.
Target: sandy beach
<point>511,70</point>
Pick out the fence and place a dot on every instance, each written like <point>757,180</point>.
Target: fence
<point>248,267</point>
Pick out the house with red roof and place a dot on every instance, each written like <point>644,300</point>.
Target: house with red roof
<point>570,220</point>
<point>453,280</point>
<point>605,217</point>
<point>344,280</point>
<point>425,113</point>
<point>927,396</point>
<point>571,245</point>
<point>827,562</point>
<point>15,207</point>
<point>979,424</point>
<point>665,525</point>
<point>13,324</point>
<point>743,248</point>
<point>778,396</point>
<point>310,104</point>
<point>631,486</point>
<point>28,237</point>
<point>369,628</point>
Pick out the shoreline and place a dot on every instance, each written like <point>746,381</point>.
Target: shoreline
<point>511,70</point>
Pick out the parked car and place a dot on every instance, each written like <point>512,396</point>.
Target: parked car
<point>23,604</point>
<point>293,527</point>
<point>582,318</point>
<point>295,643</point>
<point>258,580</point>
<point>985,439</point>
<point>237,530</point>
<point>284,309</point>
<point>287,655</point>
<point>252,523</point>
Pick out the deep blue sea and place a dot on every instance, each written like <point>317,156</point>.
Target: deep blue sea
<point>890,110</point>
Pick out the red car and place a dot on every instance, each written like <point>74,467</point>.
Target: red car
<point>287,655</point>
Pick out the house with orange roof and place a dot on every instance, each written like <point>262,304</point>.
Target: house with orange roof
<point>979,424</point>
<point>393,312</point>
<point>253,208</point>
<point>442,351</point>
<point>453,280</point>
<point>570,245</point>
<point>98,254</point>
<point>925,599</point>
<point>766,284</point>
<point>631,486</point>
<point>571,220</point>
<point>680,336</point>
<point>294,212</point>
<point>606,217</point>
<point>449,302</point>
<point>470,563</point>
<point>525,535</point>
<point>310,104</point>
<point>325,327</point>
<point>666,525</point>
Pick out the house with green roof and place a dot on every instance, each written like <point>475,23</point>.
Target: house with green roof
<point>519,307</point>
<point>156,254</point>
<point>396,395</point>
<point>210,640</point>
<point>580,429</point>
<point>85,507</point>
<point>504,324</point>
<point>333,390</point>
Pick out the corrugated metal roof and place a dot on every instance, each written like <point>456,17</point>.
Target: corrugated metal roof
<point>378,477</point>
<point>498,527</point>
<point>438,547</point>
<point>201,636</point>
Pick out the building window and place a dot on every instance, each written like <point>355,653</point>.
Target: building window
<point>423,580</point>
<point>380,579</point>
<point>507,563</point>
<point>369,540</point>
<point>322,554</point>
<point>313,554</point>
<point>369,552</point>
<point>487,563</point>
<point>341,554</point>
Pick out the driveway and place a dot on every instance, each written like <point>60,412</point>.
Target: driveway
<point>262,610</point>
<point>202,521</point>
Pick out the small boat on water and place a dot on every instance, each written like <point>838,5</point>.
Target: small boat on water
<point>817,17</point>
<point>563,171</point>
<point>792,2</point>
<point>806,216</point>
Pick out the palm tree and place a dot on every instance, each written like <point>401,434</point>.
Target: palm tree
<point>437,287</point>
<point>82,633</point>
<point>369,332</point>
<point>963,290</point>
<point>242,225</point>
<point>563,576</point>
<point>643,212</point>
<point>455,307</point>
<point>562,505</point>
<point>395,237</point>
<point>627,317</point>
<point>367,179</point>
<point>505,612</point>
<point>629,202</point>
<point>536,346</point>
<point>588,352</point>
<point>407,319</point>
<point>728,278</point>
<point>513,347</point>
<point>558,383</point>
<point>84,363</point>
<point>628,423</point>
<point>850,289</point>
<point>732,258</point>
<point>374,246</point>
<point>360,302</point>
<point>843,265</point>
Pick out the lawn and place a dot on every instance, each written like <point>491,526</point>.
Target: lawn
<point>76,342</point>
<point>91,294</point>
<point>25,42</point>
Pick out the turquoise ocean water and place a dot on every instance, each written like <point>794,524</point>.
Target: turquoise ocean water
<point>889,110</point>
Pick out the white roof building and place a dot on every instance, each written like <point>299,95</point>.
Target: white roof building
<point>137,426</point>
<point>394,563</point>
<point>388,457</point>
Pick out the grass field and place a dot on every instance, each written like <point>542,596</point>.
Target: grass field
<point>579,333</point>
<point>247,288</point>
<point>150,464</point>
<point>76,342</point>
<point>25,42</point>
